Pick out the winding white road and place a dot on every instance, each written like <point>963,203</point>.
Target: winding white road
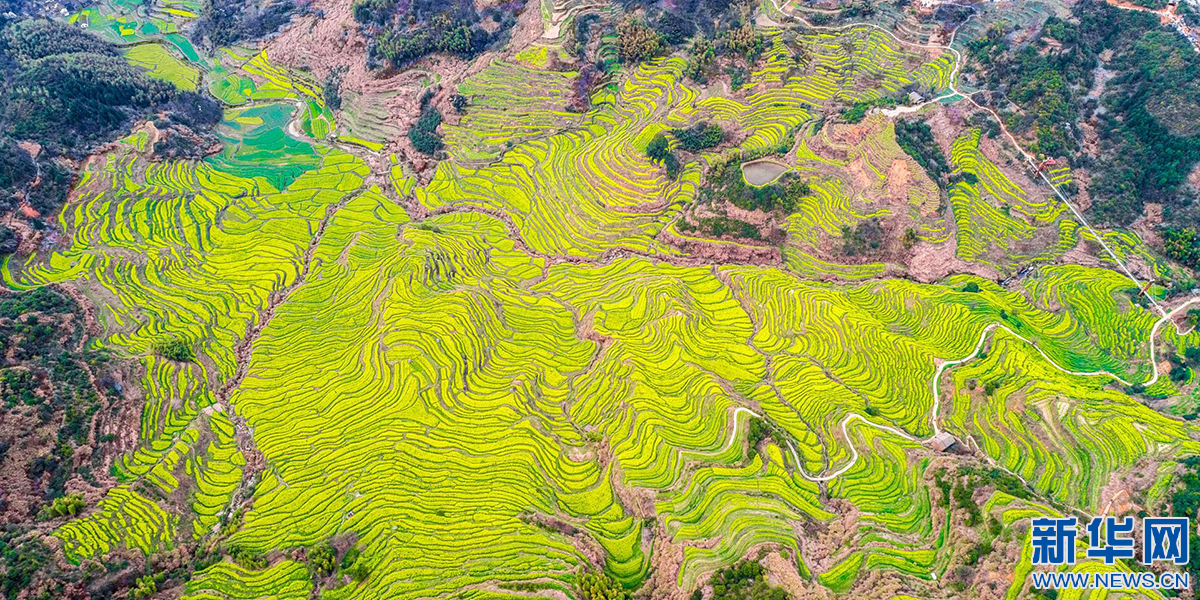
<point>943,365</point>
<point>954,91</point>
<point>934,411</point>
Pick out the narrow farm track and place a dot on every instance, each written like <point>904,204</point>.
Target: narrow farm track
<point>943,366</point>
<point>934,412</point>
<point>608,256</point>
<point>955,91</point>
<point>517,358</point>
<point>419,212</point>
<point>1033,164</point>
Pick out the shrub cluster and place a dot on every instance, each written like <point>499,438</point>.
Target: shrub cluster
<point>173,348</point>
<point>865,238</point>
<point>423,134</point>
<point>700,136</point>
<point>22,558</point>
<point>916,139</point>
<point>64,506</point>
<point>721,226</point>
<point>1183,245</point>
<point>858,111</point>
<point>746,580</point>
<point>598,586</point>
<point>725,182</point>
<point>441,34</point>
<point>322,560</point>
<point>659,151</point>
<point>636,41</point>
<point>412,29</point>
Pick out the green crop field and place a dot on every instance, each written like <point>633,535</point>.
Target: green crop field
<point>492,370</point>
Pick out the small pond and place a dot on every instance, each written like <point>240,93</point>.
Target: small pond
<point>762,172</point>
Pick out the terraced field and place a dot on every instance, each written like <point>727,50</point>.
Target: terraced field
<point>501,375</point>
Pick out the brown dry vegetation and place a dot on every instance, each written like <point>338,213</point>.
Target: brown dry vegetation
<point>31,433</point>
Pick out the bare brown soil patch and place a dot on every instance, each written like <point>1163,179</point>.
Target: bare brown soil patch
<point>897,182</point>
